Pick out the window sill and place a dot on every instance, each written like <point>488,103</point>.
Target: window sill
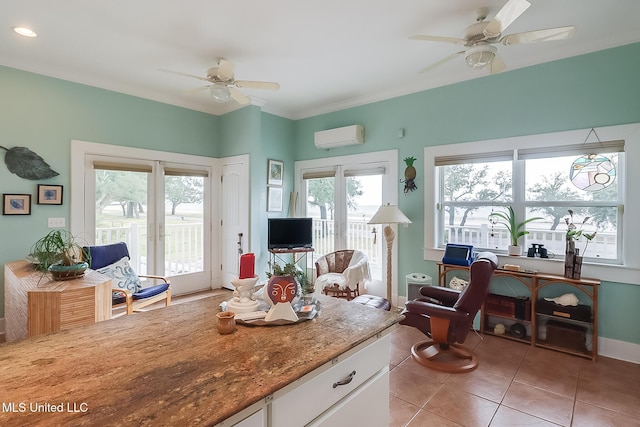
<point>604,272</point>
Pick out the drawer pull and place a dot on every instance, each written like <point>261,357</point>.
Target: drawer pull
<point>346,380</point>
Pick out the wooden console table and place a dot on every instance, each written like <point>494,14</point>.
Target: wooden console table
<point>536,322</point>
<point>36,304</point>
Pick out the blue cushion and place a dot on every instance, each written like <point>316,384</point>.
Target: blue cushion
<point>151,291</point>
<point>104,255</point>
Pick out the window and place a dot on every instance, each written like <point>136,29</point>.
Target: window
<point>533,175</point>
<point>535,185</point>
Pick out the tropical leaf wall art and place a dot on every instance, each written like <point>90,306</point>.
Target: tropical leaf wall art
<point>27,164</point>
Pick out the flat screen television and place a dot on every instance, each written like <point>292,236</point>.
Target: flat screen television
<point>290,233</point>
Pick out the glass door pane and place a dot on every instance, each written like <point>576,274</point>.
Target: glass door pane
<point>121,212</point>
<point>364,197</point>
<point>321,207</point>
<point>183,225</point>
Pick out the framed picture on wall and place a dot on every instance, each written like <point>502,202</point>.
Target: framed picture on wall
<point>16,204</point>
<point>274,199</point>
<point>49,194</point>
<point>275,169</point>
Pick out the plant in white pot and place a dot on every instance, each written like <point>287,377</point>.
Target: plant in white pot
<point>516,230</point>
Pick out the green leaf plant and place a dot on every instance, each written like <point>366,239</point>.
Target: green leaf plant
<point>574,232</point>
<point>516,230</point>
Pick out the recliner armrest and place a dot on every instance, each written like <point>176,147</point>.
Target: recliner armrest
<point>434,310</point>
<point>446,296</point>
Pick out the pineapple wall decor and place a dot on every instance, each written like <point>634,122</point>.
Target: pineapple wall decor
<point>409,175</point>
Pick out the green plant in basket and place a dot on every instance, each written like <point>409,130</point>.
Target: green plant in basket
<point>58,248</point>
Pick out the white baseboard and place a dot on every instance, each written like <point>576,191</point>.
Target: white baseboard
<point>621,350</point>
<point>607,347</point>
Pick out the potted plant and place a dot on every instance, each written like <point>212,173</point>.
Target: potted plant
<point>516,230</point>
<point>59,253</point>
<point>572,257</point>
<point>290,269</point>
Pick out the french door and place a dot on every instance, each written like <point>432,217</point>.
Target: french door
<point>341,195</point>
<point>160,209</point>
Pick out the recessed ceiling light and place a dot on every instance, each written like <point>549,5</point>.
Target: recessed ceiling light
<point>24,31</point>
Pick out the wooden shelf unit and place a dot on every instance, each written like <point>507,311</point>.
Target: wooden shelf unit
<point>535,282</point>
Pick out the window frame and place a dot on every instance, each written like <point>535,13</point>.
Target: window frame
<point>627,272</point>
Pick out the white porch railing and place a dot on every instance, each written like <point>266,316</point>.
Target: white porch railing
<point>604,245</point>
<point>183,246</point>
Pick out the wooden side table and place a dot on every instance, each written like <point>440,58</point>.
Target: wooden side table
<point>36,304</point>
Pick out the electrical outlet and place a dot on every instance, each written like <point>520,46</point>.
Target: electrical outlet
<point>56,222</point>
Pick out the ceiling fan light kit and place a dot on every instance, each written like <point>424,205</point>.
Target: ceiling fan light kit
<point>220,92</point>
<point>224,86</point>
<point>480,56</point>
<point>478,37</point>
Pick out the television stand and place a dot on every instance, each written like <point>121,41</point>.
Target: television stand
<point>289,250</point>
<point>277,252</point>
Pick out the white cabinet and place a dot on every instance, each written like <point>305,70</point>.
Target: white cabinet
<point>353,389</point>
<point>257,419</point>
<point>329,386</point>
<point>367,406</point>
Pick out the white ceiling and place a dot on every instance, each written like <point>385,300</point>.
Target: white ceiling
<point>326,55</point>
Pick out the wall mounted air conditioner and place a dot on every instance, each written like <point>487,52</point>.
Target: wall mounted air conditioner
<point>339,137</point>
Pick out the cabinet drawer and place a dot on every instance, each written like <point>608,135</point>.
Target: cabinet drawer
<point>314,394</point>
<point>366,406</point>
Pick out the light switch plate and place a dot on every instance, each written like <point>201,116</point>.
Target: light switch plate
<point>56,222</point>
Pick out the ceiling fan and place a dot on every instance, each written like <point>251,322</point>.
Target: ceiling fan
<point>224,86</point>
<point>479,37</point>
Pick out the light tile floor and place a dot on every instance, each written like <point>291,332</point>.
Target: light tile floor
<point>514,385</point>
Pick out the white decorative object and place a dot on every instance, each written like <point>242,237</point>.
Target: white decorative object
<point>566,299</point>
<point>243,300</point>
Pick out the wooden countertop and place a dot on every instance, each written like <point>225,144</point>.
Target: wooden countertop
<point>170,366</point>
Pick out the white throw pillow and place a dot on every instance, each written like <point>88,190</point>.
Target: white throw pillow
<point>122,275</point>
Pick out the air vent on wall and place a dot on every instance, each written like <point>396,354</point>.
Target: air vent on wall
<point>339,137</point>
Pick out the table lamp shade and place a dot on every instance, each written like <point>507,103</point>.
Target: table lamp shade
<point>389,214</point>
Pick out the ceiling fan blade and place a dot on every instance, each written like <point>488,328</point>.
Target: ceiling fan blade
<point>438,39</point>
<point>497,65</point>
<point>257,85</point>
<point>225,70</point>
<point>559,33</point>
<point>184,74</point>
<point>239,97</point>
<point>442,61</point>
<point>505,17</point>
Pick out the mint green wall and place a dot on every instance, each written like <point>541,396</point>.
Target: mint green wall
<point>598,89</point>
<point>277,144</point>
<point>45,114</point>
<point>263,136</point>
<point>593,90</point>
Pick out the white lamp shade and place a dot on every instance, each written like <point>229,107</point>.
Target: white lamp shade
<point>389,214</point>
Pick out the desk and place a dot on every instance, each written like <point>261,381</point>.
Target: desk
<point>537,321</point>
<point>36,304</point>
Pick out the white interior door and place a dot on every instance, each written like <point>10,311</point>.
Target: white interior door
<point>234,205</point>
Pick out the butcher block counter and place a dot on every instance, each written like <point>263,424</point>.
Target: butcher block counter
<point>170,366</point>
